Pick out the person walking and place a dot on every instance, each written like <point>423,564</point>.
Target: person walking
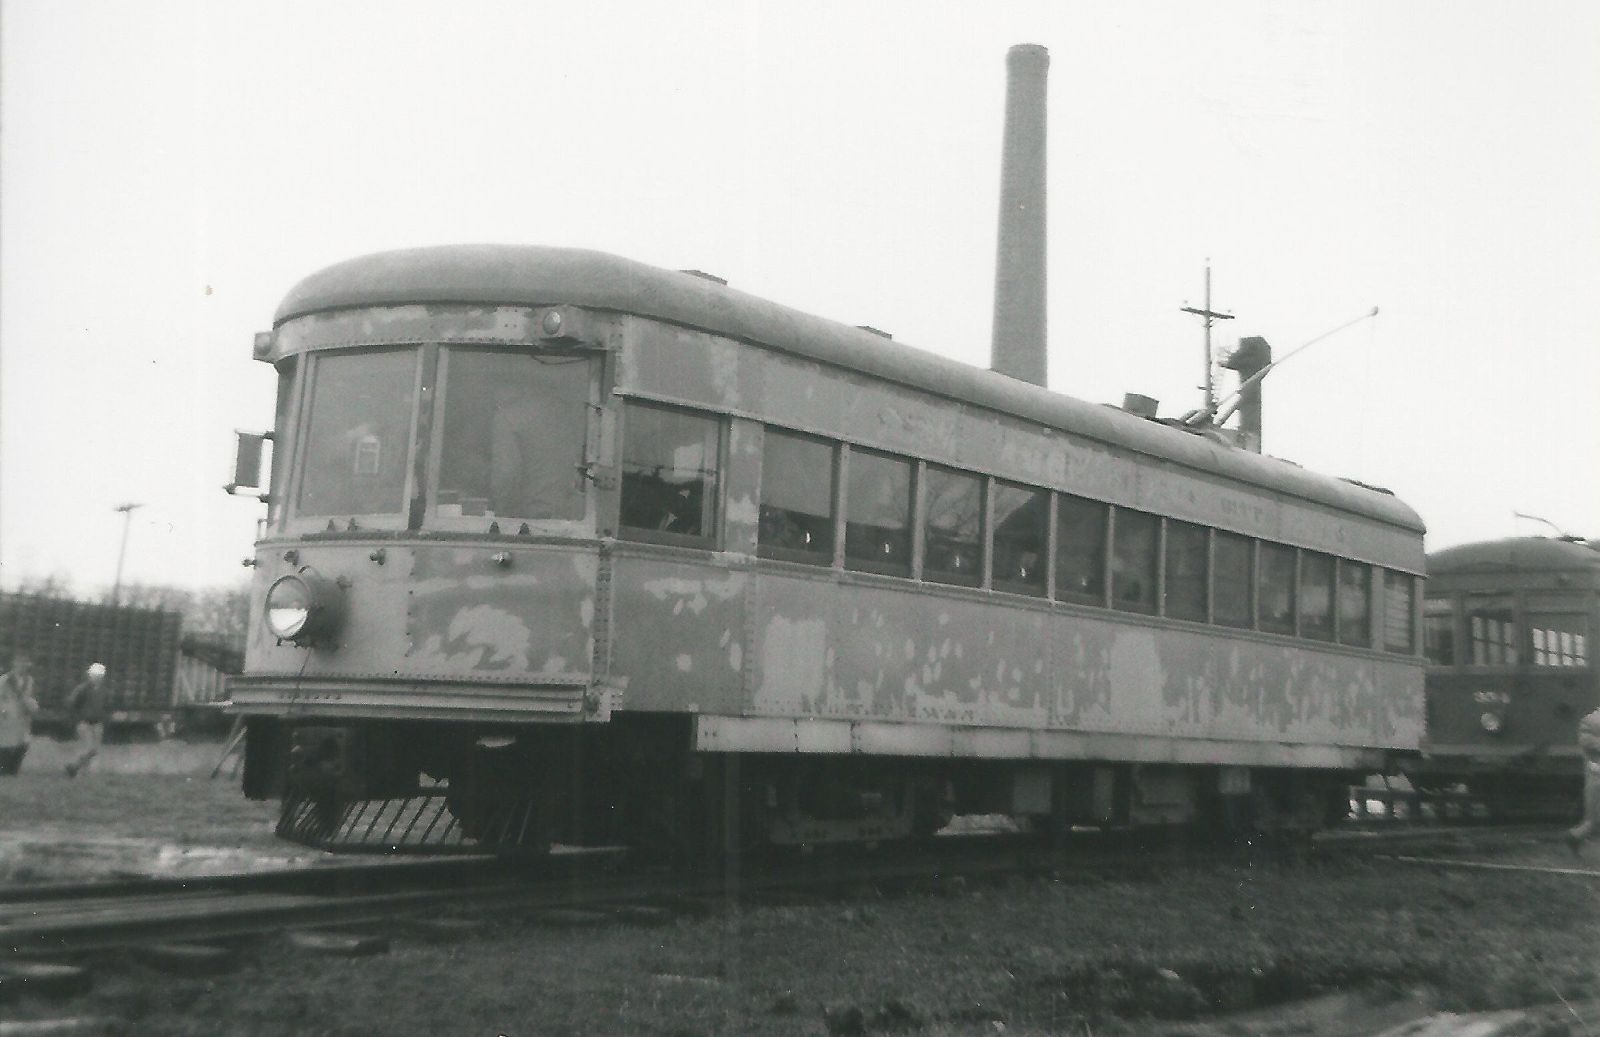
<point>1589,747</point>
<point>88,705</point>
<point>17,707</point>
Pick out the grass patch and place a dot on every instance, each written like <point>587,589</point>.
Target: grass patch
<point>1034,956</point>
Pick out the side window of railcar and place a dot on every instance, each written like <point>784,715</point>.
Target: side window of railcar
<point>1080,550</point>
<point>1316,596</point>
<point>877,532</point>
<point>1439,631</point>
<point>1559,639</point>
<point>1133,561</point>
<point>1355,603</point>
<point>1187,548</point>
<point>1277,588</point>
<point>797,498</point>
<point>513,435</point>
<point>1491,630</point>
<point>669,474</point>
<point>1232,582</point>
<point>952,529</point>
<point>1020,537</point>
<point>1399,591</point>
<point>358,439</point>
<point>952,535</point>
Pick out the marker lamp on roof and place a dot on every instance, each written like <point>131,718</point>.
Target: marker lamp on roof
<point>304,608</point>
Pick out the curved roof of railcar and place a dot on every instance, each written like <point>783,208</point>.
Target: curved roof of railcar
<point>529,275</point>
<point>1515,555</point>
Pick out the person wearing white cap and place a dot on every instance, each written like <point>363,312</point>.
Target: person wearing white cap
<point>88,705</point>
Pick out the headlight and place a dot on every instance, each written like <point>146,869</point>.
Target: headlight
<point>304,607</point>
<point>1492,722</point>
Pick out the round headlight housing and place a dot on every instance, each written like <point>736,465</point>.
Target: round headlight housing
<point>1493,723</point>
<point>304,608</point>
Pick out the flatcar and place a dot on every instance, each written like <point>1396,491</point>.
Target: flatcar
<point>613,553</point>
<point>1508,632</point>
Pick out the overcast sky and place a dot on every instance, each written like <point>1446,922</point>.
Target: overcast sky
<point>171,168</point>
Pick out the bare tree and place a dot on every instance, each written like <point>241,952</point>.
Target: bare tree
<point>56,585</point>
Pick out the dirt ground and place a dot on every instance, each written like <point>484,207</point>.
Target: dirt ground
<point>142,809</point>
<point>1353,946</point>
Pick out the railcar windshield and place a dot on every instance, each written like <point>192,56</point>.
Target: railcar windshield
<point>512,435</point>
<point>358,437</point>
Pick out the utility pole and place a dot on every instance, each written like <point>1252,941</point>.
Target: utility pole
<point>1210,316</point>
<point>127,516</point>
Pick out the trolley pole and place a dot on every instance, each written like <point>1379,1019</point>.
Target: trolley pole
<point>122,553</point>
<point>1210,316</point>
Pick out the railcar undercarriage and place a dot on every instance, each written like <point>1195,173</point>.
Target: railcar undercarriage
<point>427,787</point>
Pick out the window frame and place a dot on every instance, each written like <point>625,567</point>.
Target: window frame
<point>469,524</point>
<point>297,522</point>
<point>1584,631</point>
<point>858,565</point>
<point>1206,537</point>
<point>1154,572</point>
<point>1100,599</point>
<point>924,474</point>
<point>819,559</point>
<point>1252,593</point>
<point>711,509</point>
<point>1414,614</point>
<point>991,548</point>
<point>1292,627</point>
<point>1340,567</point>
<point>1330,601</point>
<point>1516,642</point>
<point>1446,608</point>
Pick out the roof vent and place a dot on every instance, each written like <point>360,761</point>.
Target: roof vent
<point>869,329</point>
<point>1140,406</point>
<point>713,278</point>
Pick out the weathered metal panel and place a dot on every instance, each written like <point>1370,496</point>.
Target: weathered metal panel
<point>680,643</point>
<point>774,734</point>
<point>412,700</point>
<point>742,510</point>
<point>880,651</point>
<point>443,611</point>
<point>398,325</point>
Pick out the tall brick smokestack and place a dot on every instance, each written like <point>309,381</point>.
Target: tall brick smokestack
<point>1018,346</point>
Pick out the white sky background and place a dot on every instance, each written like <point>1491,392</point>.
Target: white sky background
<point>171,168</point>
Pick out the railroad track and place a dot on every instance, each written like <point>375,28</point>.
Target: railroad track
<point>51,921</point>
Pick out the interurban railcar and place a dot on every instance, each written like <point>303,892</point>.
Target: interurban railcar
<point>582,538</point>
<point>1508,630</point>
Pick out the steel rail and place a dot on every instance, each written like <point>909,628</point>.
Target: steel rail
<point>127,913</point>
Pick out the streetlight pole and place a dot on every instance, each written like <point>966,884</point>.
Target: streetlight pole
<point>122,553</point>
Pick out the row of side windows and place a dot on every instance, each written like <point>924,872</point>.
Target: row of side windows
<point>1493,636</point>
<point>898,512</point>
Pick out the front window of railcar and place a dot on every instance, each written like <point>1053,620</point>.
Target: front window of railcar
<point>356,456</point>
<point>1439,631</point>
<point>1559,639</point>
<point>1492,630</point>
<point>512,436</point>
